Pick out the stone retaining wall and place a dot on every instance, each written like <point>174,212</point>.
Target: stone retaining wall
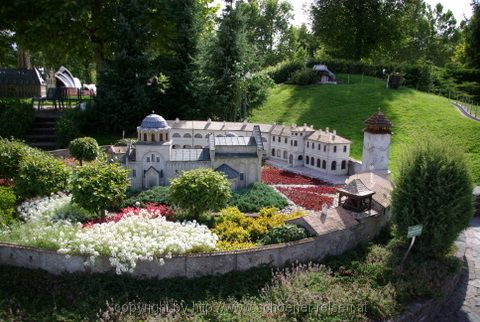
<point>195,265</point>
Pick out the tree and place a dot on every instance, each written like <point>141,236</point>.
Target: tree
<point>100,186</point>
<point>268,29</point>
<point>350,28</point>
<point>84,149</point>
<point>200,190</point>
<point>472,37</point>
<point>433,188</point>
<point>123,97</point>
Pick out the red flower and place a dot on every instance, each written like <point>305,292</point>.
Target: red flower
<point>272,175</point>
<point>6,182</point>
<point>310,198</point>
<point>153,208</point>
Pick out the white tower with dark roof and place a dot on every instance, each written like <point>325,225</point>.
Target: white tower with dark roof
<point>376,143</point>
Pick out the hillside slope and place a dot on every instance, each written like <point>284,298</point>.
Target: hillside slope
<point>344,108</point>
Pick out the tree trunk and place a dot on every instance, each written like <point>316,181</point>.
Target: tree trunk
<point>23,59</point>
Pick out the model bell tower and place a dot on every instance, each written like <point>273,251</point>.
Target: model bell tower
<point>376,143</point>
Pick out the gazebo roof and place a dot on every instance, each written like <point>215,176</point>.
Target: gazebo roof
<point>356,188</point>
<point>378,123</point>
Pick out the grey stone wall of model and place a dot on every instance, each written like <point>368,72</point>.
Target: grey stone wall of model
<point>310,249</point>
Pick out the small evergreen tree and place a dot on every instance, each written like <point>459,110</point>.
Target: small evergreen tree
<point>472,37</point>
<point>123,96</point>
<point>433,188</point>
<point>200,190</point>
<point>84,149</point>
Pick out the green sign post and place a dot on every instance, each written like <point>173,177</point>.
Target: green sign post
<point>413,232</point>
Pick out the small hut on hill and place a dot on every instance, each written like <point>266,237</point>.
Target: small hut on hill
<point>324,75</point>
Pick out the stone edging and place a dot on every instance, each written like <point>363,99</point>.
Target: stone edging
<point>196,265</point>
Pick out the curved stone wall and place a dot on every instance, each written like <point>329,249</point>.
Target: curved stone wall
<point>195,265</point>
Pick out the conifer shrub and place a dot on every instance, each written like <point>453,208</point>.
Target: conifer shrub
<point>256,197</point>
<point>433,188</point>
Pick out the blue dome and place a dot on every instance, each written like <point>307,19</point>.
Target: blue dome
<point>154,121</point>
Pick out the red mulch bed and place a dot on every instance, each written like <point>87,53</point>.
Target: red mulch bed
<point>272,175</point>
<point>310,198</point>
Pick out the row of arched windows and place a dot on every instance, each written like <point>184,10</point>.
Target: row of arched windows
<point>153,137</point>
<point>323,163</point>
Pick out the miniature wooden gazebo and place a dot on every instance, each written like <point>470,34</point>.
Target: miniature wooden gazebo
<point>355,196</point>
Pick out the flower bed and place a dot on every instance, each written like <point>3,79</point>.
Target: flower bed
<point>310,198</point>
<point>153,209</point>
<point>272,175</point>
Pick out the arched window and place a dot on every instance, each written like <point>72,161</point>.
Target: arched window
<point>273,152</point>
<point>145,137</point>
<point>300,157</point>
<point>176,135</point>
<point>198,136</point>
<point>312,161</point>
<point>324,164</point>
<point>318,163</point>
<point>344,164</point>
<point>285,154</point>
<point>187,136</point>
<point>307,158</point>
<point>334,165</point>
<point>186,146</point>
<point>161,137</point>
<point>153,137</point>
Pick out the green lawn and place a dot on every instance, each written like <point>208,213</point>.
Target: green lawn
<point>344,107</point>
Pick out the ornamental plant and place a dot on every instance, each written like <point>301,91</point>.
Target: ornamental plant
<point>41,174</point>
<point>256,197</point>
<point>100,186</point>
<point>11,153</point>
<point>84,149</point>
<point>200,190</point>
<point>284,234</point>
<point>7,205</point>
<point>433,188</point>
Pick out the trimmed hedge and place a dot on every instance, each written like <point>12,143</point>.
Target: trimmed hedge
<point>157,195</point>
<point>256,197</point>
<point>16,118</point>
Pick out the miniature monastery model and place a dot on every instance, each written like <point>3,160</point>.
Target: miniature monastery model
<point>165,148</point>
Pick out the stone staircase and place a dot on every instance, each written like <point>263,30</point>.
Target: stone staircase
<point>42,133</point>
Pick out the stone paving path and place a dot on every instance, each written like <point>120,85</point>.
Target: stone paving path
<point>464,305</point>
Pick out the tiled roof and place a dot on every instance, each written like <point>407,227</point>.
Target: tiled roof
<point>380,185</point>
<point>228,171</point>
<point>356,187</point>
<point>330,137</point>
<point>190,155</point>
<point>378,119</point>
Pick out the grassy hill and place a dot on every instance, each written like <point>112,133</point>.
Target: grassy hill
<point>344,108</point>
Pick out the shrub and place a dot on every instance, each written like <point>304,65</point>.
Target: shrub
<point>100,186</point>
<point>84,149</point>
<point>282,72</point>
<point>256,197</point>
<point>41,174</point>
<point>200,190</point>
<point>125,142</point>
<point>304,76</point>
<point>16,119</point>
<point>69,126</point>
<point>433,188</point>
<point>284,234</point>
<point>7,205</point>
<point>157,195</point>
<point>11,153</point>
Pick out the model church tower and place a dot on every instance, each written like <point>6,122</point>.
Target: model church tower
<point>376,143</point>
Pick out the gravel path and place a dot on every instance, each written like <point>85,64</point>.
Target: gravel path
<point>464,305</point>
